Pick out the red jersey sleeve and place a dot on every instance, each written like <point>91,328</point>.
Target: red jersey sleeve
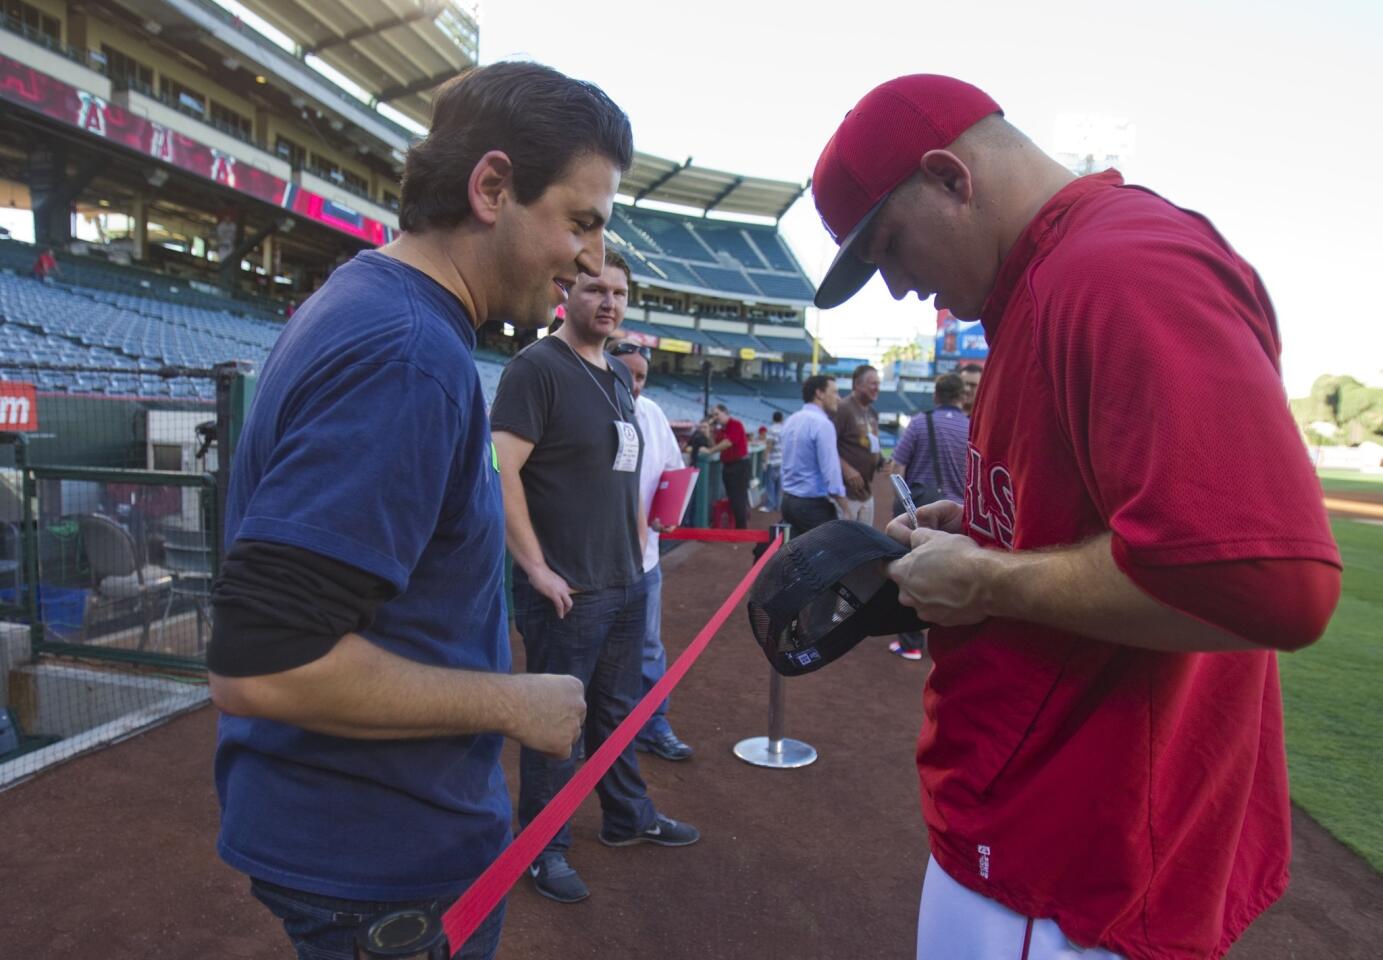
<point>1231,596</point>
<point>1161,348</point>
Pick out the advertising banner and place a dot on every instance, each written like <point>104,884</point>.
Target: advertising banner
<point>958,342</point>
<point>18,407</point>
<point>51,97</point>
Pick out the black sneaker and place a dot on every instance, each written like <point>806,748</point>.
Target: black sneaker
<point>669,746</point>
<point>665,832</point>
<point>557,880</point>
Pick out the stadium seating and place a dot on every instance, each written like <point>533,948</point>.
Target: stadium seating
<point>787,287</point>
<point>135,336</point>
<point>738,260</point>
<point>98,273</point>
<point>800,347</point>
<point>730,239</point>
<point>668,271</point>
<point>55,324</point>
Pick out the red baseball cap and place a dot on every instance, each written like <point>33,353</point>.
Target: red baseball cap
<point>876,147</point>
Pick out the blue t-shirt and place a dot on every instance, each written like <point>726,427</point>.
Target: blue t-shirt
<point>368,442</point>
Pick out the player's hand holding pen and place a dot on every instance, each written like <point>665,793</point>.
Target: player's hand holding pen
<point>945,576</point>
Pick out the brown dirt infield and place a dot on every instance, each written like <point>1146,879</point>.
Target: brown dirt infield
<point>113,855</point>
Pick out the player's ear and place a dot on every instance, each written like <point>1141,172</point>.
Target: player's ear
<point>944,169</point>
<point>491,179</point>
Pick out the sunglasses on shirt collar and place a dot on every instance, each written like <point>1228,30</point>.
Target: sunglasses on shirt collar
<point>629,346</point>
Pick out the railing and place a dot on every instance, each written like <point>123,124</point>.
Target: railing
<point>127,83</point>
<point>340,184</point>
<point>16,26</point>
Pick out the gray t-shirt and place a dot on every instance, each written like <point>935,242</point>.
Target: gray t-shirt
<point>584,512</point>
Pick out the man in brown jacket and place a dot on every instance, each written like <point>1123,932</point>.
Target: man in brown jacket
<point>857,440</point>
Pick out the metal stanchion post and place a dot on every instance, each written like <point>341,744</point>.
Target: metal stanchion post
<point>775,750</point>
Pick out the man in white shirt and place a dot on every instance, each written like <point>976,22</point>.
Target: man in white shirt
<point>661,452</point>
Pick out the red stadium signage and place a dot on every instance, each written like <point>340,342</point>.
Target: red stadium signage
<point>18,407</point>
<point>642,339</point>
<point>51,97</point>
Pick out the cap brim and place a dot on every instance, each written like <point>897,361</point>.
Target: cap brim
<point>848,273</point>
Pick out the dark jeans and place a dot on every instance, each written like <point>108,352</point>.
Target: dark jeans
<point>735,476</point>
<point>600,642</point>
<point>807,513</point>
<point>323,928</point>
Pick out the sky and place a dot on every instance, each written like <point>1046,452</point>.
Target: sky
<point>1260,115</point>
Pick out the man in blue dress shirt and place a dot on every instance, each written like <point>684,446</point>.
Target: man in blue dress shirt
<point>813,490</point>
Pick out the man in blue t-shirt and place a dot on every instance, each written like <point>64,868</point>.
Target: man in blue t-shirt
<point>360,652</point>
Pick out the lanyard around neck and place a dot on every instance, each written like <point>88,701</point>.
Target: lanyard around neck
<point>619,414</point>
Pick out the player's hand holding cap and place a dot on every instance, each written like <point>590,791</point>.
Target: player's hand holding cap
<point>823,593</point>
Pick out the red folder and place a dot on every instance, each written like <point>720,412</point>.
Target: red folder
<point>674,493</point>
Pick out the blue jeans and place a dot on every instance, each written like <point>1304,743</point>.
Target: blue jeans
<point>654,656</point>
<point>773,486</point>
<point>600,642</point>
<point>323,928</point>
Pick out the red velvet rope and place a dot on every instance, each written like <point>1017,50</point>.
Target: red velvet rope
<point>717,536</point>
<point>468,912</point>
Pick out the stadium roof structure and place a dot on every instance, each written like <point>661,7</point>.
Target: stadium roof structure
<point>704,189</point>
<point>396,50</point>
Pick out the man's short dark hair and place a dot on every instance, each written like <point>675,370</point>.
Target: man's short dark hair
<point>970,368</point>
<point>722,407</point>
<point>777,416</point>
<point>811,385</point>
<point>613,259</point>
<point>860,371</point>
<point>949,387</point>
<point>541,119</point>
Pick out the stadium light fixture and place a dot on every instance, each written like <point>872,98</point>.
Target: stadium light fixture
<point>260,78</point>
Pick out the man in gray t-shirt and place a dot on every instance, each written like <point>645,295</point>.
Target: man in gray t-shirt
<point>569,450</point>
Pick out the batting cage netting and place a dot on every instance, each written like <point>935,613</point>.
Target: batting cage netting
<point>108,547</point>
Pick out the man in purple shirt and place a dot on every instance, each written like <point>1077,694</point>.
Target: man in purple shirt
<point>913,456</point>
<point>939,477</point>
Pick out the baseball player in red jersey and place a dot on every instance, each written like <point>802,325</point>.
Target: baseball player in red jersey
<point>1101,756</point>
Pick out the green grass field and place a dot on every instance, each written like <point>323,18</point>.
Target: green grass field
<point>1333,693</point>
<point>1349,481</point>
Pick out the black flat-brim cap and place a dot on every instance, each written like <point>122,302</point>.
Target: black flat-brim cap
<point>823,593</point>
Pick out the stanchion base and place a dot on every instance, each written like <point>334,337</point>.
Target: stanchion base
<point>788,755</point>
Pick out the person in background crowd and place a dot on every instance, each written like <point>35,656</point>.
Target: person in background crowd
<point>660,454</point>
<point>857,437</point>
<point>931,459</point>
<point>565,428</point>
<point>773,470</point>
<point>732,444</point>
<point>46,266</point>
<point>931,454</point>
<point>699,440</point>
<point>970,376</point>
<point>813,490</point>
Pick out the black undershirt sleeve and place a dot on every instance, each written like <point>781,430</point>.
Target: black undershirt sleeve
<point>277,607</point>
